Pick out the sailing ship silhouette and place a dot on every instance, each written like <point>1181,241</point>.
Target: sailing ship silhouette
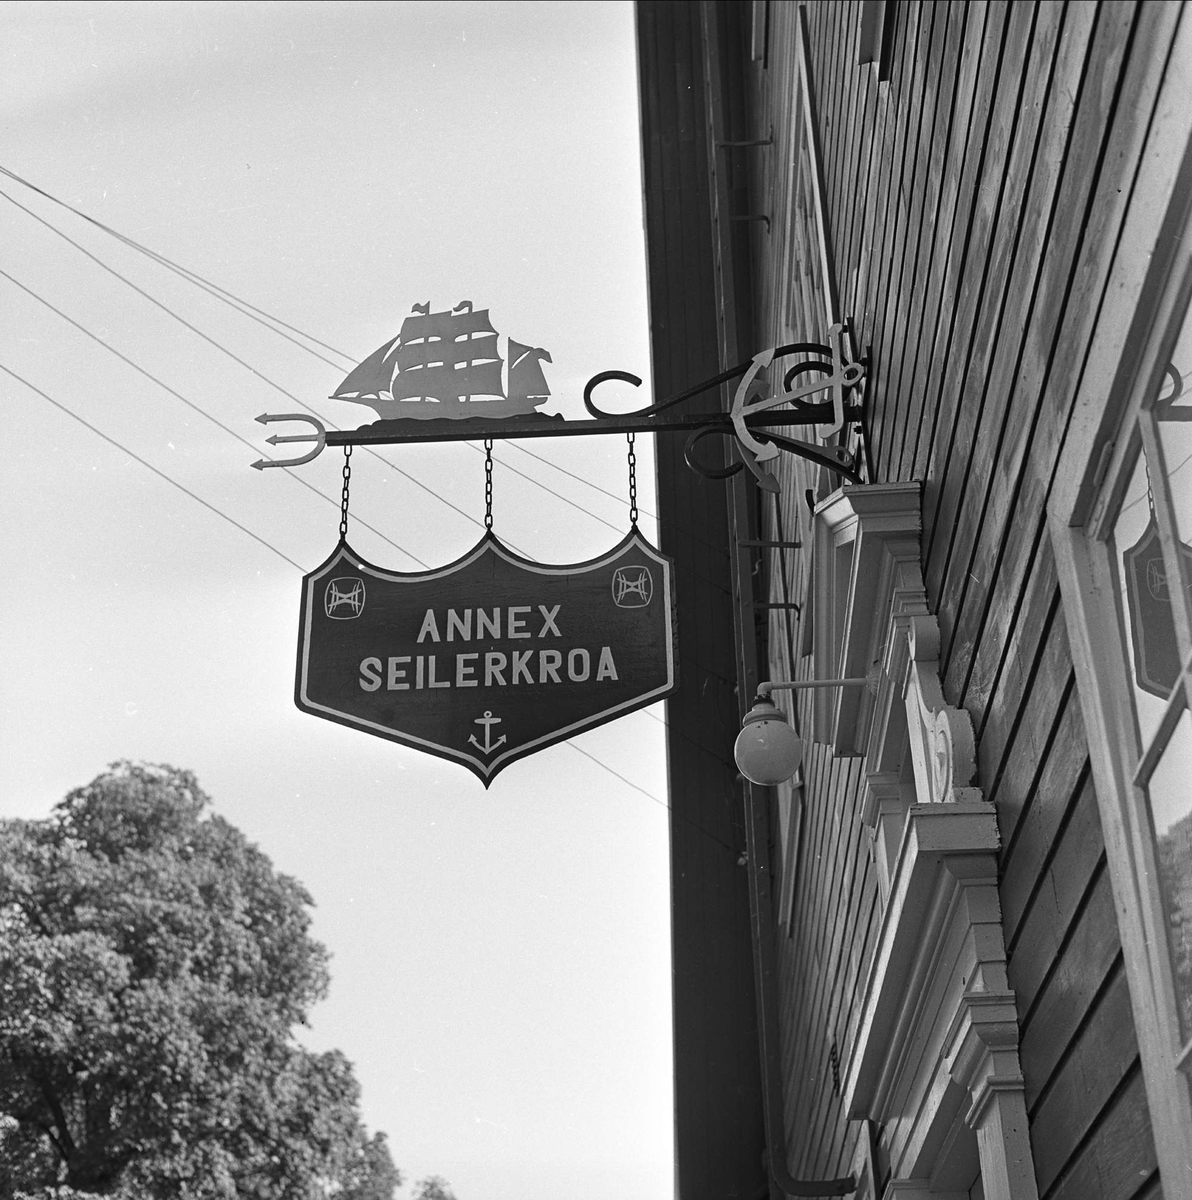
<point>448,364</point>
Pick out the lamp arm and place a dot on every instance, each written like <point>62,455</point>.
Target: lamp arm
<point>781,685</point>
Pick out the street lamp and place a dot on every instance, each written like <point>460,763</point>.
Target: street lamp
<point>768,750</point>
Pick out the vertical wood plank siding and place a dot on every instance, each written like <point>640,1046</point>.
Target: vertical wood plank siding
<point>974,201</point>
<point>719,1136</point>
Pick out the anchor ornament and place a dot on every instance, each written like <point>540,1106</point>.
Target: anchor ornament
<point>488,721</point>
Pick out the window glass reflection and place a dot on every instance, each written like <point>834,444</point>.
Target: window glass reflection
<point>1173,411</point>
<point>1170,795</point>
<point>1145,611</point>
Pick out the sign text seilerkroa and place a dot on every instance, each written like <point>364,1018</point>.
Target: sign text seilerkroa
<point>492,657</point>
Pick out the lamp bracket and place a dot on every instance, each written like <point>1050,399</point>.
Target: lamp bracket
<point>870,681</point>
<point>752,419</point>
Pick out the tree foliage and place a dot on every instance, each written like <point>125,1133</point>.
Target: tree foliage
<point>153,966</point>
<point>433,1187</point>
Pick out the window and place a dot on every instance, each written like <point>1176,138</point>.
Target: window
<point>1147,523</point>
<point>1120,518</point>
<point>1126,580</point>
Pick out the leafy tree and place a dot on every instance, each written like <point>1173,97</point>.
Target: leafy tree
<point>153,966</point>
<point>434,1187</point>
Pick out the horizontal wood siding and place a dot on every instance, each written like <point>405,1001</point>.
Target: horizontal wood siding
<point>974,200</point>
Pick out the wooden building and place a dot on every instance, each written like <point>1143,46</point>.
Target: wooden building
<point>953,955</point>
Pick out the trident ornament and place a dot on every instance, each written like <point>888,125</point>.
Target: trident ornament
<point>319,437</point>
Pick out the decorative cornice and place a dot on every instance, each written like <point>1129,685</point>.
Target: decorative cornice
<point>878,525</point>
<point>941,737</point>
<point>981,1050</point>
<point>943,846</point>
<point>937,1008</point>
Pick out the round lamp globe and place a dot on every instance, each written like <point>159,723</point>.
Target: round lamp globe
<point>767,750</point>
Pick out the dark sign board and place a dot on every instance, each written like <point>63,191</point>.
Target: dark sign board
<point>492,657</point>
<point>1152,623</point>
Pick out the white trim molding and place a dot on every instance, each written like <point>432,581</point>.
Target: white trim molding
<point>935,1061</point>
<point>937,1050</point>
<point>866,550</point>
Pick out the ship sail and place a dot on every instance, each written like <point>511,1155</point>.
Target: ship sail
<point>447,356</point>
<point>371,380</point>
<point>526,380</point>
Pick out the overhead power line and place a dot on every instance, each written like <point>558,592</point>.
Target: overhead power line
<point>214,288</point>
<point>281,554</point>
<point>239,303</point>
<point>276,325</point>
<point>650,796</point>
<point>197,408</point>
<point>279,327</point>
<point>157,303</point>
<point>579,478</point>
<point>235,357</point>
<point>156,471</point>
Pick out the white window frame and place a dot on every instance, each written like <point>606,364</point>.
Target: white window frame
<point>806,249</point>
<point>1145,304</point>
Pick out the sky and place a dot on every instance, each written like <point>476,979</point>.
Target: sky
<point>501,962</point>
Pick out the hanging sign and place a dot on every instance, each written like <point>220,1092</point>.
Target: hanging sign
<point>492,657</point>
<point>1152,625</point>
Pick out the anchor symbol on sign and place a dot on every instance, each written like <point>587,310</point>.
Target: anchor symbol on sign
<point>488,721</point>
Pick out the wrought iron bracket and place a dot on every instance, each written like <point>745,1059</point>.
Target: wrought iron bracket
<point>752,421</point>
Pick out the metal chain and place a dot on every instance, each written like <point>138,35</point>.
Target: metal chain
<point>488,483</point>
<point>632,483</point>
<point>343,503</point>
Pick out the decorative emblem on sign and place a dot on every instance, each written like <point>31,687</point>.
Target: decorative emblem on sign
<point>447,364</point>
<point>633,587</point>
<point>344,599</point>
<point>492,657</point>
